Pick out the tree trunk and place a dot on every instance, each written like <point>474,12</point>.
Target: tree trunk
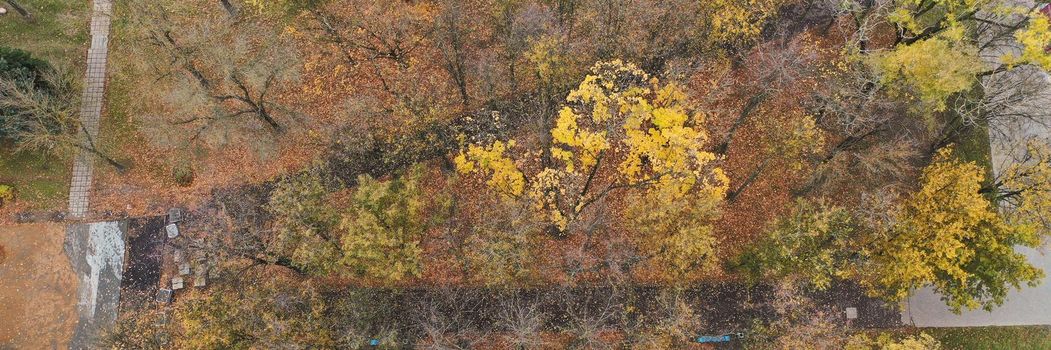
<point>733,194</point>
<point>274,126</point>
<point>121,168</point>
<point>749,107</point>
<point>230,9</point>
<point>21,10</point>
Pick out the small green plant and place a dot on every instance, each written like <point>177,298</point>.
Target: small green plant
<point>183,174</point>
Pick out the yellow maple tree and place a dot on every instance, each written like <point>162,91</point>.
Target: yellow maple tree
<point>949,236</point>
<point>620,130</point>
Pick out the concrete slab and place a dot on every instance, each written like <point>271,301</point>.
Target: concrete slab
<point>96,252</point>
<point>1029,306</point>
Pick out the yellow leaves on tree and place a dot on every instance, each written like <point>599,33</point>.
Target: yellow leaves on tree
<point>739,20</point>
<point>1025,189</point>
<point>1034,39</point>
<point>675,231</point>
<point>946,235</point>
<point>916,16</point>
<point>490,160</point>
<point>553,66</point>
<point>930,70</point>
<point>619,130</point>
<point>949,236</point>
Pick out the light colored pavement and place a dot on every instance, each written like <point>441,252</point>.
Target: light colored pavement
<point>96,252</point>
<point>1029,306</point>
<point>91,106</point>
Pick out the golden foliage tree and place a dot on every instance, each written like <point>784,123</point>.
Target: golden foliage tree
<point>620,130</point>
<point>951,237</point>
<point>947,235</point>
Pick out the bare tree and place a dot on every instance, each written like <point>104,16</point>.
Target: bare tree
<point>522,321</point>
<point>215,76</point>
<point>448,319</point>
<point>453,39</point>
<point>591,313</point>
<point>46,120</point>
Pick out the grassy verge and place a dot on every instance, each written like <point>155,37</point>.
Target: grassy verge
<point>58,33</point>
<point>993,338</point>
<point>39,181</point>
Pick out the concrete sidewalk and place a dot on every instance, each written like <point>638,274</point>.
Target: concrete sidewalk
<point>96,252</point>
<point>91,106</point>
<point>1029,306</point>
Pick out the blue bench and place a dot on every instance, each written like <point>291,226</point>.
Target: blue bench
<point>714,338</point>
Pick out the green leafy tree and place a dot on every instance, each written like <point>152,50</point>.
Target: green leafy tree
<point>305,223</point>
<point>377,236</point>
<point>946,235</point>
<point>264,314</point>
<point>383,228</point>
<point>813,242</point>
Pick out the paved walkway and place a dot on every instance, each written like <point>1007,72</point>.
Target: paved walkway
<point>91,106</point>
<point>96,252</point>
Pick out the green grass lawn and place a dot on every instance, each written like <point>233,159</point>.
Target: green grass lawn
<point>58,34</point>
<point>993,338</point>
<point>38,181</point>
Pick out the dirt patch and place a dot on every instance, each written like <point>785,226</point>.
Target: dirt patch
<point>39,289</point>
<point>142,275</point>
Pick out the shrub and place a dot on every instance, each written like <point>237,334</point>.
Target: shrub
<point>7,194</point>
<point>183,174</point>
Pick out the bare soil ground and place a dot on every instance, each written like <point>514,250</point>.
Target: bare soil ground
<point>38,288</point>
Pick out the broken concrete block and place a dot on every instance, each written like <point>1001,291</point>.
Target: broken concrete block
<point>852,313</point>
<point>199,281</point>
<point>177,283</point>
<point>172,230</point>
<point>164,296</point>
<point>174,215</point>
<point>184,268</point>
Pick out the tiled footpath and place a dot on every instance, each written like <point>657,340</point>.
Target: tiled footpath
<point>91,106</point>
